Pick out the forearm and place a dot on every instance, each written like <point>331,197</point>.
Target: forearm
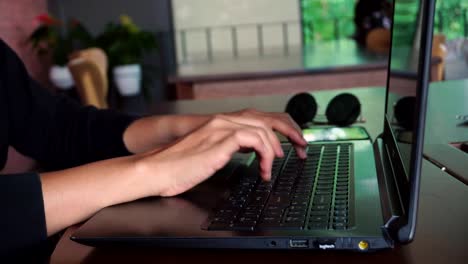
<point>152,132</point>
<point>73,195</point>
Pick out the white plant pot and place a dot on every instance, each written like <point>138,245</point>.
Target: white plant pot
<point>127,78</point>
<point>61,77</point>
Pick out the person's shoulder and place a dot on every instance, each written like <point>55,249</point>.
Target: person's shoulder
<point>3,45</point>
<point>3,58</point>
<point>4,48</point>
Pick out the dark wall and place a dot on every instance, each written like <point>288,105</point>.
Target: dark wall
<point>151,15</point>
<point>16,24</point>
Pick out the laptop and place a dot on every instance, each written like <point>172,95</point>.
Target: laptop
<point>358,195</point>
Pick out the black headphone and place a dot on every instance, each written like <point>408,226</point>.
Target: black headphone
<point>342,110</point>
<point>403,111</point>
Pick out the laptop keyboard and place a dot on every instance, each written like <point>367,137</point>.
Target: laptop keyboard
<point>311,194</point>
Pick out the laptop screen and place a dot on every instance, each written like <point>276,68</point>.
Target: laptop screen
<point>405,71</point>
<point>410,63</point>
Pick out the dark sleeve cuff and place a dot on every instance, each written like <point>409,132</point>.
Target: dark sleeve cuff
<point>22,224</point>
<point>107,133</point>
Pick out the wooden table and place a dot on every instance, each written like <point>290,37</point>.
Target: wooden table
<point>321,66</point>
<point>441,236</point>
<point>448,100</point>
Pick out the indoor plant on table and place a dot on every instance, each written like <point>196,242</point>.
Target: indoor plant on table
<point>54,38</point>
<point>125,45</point>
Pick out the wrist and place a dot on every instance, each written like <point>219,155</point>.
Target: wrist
<point>129,181</point>
<point>185,124</point>
<point>151,132</point>
<point>145,169</point>
<point>146,134</point>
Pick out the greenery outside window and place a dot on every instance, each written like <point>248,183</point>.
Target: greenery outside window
<point>452,18</point>
<point>326,20</point>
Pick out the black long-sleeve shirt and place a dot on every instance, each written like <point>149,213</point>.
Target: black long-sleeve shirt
<point>56,132</point>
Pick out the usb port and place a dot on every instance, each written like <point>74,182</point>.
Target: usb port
<point>299,243</point>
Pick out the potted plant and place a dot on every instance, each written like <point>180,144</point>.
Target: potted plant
<point>125,45</point>
<point>51,38</point>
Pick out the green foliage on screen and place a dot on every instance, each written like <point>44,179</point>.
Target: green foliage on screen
<point>451,18</point>
<point>405,22</point>
<point>326,20</point>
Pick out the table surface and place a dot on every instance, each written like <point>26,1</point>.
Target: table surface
<point>336,56</point>
<point>456,68</point>
<point>447,100</point>
<point>441,234</point>
<point>443,127</point>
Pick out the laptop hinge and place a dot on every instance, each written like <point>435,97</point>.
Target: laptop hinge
<point>392,208</point>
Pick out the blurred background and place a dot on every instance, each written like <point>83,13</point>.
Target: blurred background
<point>130,55</point>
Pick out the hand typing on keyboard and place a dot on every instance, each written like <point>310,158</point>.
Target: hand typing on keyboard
<point>197,156</point>
<point>172,155</point>
<point>311,194</point>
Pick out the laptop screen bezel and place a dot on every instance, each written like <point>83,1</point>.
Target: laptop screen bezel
<point>410,189</point>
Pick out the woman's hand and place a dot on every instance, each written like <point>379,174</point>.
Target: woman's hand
<point>195,157</point>
<point>280,122</point>
<point>72,195</point>
<point>154,132</point>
